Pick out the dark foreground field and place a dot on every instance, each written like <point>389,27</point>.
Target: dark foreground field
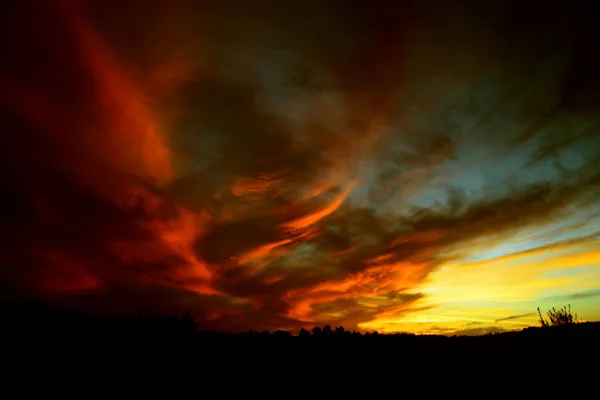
<point>69,352</point>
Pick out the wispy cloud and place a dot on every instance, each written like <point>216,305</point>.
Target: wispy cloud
<point>514,317</point>
<point>576,296</point>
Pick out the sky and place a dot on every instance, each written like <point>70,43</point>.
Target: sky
<point>427,167</point>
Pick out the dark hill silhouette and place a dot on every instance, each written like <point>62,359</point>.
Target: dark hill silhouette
<point>49,342</point>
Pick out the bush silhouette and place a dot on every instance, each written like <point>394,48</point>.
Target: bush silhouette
<point>560,317</point>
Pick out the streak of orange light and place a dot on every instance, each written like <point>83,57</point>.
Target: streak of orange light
<point>261,251</point>
<point>311,219</point>
<point>380,259</point>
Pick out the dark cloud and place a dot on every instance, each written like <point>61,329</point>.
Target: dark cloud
<point>514,317</point>
<point>576,296</point>
<point>257,165</point>
<point>474,323</point>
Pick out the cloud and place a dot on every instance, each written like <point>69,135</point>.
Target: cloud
<point>315,169</point>
<point>514,317</point>
<point>576,296</point>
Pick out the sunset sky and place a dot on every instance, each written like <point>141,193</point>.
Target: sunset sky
<point>425,166</point>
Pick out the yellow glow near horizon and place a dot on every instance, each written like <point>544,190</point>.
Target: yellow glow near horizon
<point>502,293</point>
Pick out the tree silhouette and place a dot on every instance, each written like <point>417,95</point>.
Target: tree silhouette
<point>560,317</point>
<point>304,333</point>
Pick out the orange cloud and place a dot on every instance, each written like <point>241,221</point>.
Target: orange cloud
<point>374,280</point>
<point>313,218</point>
<point>134,135</point>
